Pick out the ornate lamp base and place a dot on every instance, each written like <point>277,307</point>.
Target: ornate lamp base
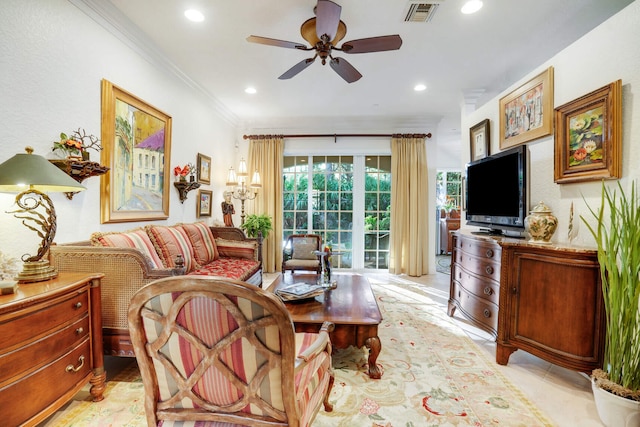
<point>37,271</point>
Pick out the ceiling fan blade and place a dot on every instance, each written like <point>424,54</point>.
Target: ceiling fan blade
<point>345,70</point>
<point>297,68</point>
<point>275,42</point>
<point>372,44</point>
<point>327,18</point>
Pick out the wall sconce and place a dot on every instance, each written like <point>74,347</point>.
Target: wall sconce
<point>31,175</point>
<point>238,185</point>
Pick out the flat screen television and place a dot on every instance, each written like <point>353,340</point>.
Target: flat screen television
<point>496,192</point>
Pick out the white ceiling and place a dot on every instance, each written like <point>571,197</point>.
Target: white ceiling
<point>459,57</point>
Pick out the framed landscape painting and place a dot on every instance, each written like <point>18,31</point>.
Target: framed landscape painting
<point>588,136</point>
<point>527,112</point>
<point>136,140</point>
<point>204,169</point>
<point>204,203</point>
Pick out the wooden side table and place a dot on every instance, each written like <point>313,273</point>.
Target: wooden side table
<point>50,346</point>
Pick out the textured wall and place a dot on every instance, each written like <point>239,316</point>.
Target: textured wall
<point>52,59</point>
<point>608,53</point>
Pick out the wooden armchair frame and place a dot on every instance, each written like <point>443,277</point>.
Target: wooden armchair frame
<point>288,251</point>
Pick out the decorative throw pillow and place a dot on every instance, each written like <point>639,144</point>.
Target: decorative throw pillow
<point>303,249</point>
<point>237,249</point>
<point>171,241</point>
<point>202,242</point>
<point>138,239</point>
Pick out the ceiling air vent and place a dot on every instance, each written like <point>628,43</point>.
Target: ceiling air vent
<point>421,11</point>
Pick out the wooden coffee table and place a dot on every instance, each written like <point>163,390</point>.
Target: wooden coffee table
<point>351,307</point>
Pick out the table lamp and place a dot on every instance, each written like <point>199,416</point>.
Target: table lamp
<point>31,175</point>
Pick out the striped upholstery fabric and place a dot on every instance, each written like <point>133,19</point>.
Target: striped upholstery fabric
<point>169,241</point>
<point>202,241</point>
<point>138,239</point>
<point>236,249</point>
<point>214,350</point>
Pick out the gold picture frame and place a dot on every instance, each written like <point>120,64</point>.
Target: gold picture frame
<point>588,136</point>
<point>527,112</point>
<point>204,169</point>
<point>136,140</point>
<point>479,138</point>
<point>203,207</point>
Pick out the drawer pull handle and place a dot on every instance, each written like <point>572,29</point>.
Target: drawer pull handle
<point>79,331</point>
<point>486,313</point>
<point>71,368</point>
<point>489,253</point>
<point>488,291</point>
<point>488,269</point>
<point>77,305</point>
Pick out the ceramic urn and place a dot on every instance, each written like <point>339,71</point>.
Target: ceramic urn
<point>541,224</point>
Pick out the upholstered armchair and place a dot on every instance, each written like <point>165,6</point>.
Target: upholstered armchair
<point>219,350</point>
<point>298,253</point>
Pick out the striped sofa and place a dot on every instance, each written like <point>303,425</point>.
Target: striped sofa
<point>131,259</point>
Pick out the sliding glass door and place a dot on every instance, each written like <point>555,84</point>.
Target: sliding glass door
<point>347,203</point>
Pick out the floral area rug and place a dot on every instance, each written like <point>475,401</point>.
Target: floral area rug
<point>433,375</point>
<point>443,264</point>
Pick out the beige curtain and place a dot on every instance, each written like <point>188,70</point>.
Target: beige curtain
<point>408,251</point>
<point>266,156</point>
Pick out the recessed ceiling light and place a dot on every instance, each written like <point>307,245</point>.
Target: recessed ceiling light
<point>472,6</point>
<point>250,90</point>
<point>194,15</point>
<point>419,87</point>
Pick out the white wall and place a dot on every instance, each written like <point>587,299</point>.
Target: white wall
<point>52,59</point>
<point>604,55</point>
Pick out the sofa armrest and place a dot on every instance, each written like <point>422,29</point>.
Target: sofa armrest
<point>234,233</point>
<point>126,270</point>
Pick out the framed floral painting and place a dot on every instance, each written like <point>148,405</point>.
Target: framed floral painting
<point>136,140</point>
<point>588,136</point>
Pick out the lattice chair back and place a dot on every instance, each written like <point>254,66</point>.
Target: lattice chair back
<point>223,351</point>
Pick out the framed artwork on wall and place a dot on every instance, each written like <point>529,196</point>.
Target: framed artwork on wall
<point>204,203</point>
<point>136,140</point>
<point>479,138</point>
<point>204,169</point>
<point>527,112</point>
<point>588,136</point>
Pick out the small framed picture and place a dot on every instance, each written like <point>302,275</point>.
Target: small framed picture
<point>204,169</point>
<point>480,139</point>
<point>204,203</point>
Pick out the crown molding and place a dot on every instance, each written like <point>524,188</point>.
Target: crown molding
<point>116,23</point>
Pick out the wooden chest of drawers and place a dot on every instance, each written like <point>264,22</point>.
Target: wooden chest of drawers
<point>50,346</point>
<point>475,280</point>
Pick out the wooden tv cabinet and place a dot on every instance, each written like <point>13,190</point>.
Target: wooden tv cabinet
<point>551,305</point>
<point>475,279</point>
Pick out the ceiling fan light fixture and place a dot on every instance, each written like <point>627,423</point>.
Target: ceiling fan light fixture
<point>472,6</point>
<point>194,15</point>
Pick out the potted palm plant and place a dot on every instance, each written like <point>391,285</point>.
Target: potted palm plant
<point>255,224</point>
<point>618,240</point>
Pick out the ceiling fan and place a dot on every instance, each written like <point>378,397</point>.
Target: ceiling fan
<point>323,33</point>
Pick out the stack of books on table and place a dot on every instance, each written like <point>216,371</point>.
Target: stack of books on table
<point>299,291</point>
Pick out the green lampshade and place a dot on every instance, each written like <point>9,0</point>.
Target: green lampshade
<point>31,171</point>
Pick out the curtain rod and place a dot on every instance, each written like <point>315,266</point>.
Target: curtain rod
<point>335,136</point>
